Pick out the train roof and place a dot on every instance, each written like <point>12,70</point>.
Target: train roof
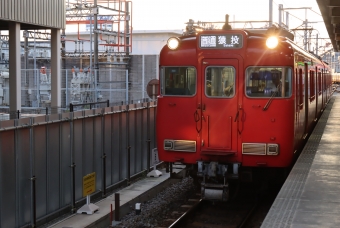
<point>192,31</point>
<point>268,31</point>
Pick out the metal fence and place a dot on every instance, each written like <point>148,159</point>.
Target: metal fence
<point>43,159</point>
<point>77,86</point>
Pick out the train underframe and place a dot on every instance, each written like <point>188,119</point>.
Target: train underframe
<point>214,179</point>
<point>221,182</point>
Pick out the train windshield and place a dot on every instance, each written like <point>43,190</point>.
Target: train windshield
<point>269,82</point>
<point>178,81</point>
<point>220,81</point>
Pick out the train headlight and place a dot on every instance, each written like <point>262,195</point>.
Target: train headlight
<point>173,43</point>
<point>272,42</point>
<point>272,149</point>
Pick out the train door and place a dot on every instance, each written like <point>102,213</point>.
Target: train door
<point>316,93</point>
<point>306,92</point>
<point>219,106</point>
<point>320,90</point>
<point>324,87</point>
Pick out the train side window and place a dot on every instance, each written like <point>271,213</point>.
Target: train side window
<point>220,81</point>
<point>268,82</point>
<point>312,85</point>
<point>319,83</point>
<point>178,81</point>
<point>301,90</point>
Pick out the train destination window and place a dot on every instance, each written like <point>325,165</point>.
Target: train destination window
<point>268,82</point>
<point>178,81</point>
<point>224,41</point>
<point>220,81</point>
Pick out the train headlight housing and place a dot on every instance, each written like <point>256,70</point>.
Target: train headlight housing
<point>260,149</point>
<point>273,149</point>
<point>173,43</point>
<point>272,42</point>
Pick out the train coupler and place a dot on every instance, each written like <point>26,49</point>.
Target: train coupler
<point>215,192</point>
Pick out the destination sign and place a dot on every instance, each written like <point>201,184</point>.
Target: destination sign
<point>221,41</point>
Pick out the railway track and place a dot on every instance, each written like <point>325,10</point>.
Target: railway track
<point>180,205</point>
<point>214,215</point>
<point>248,209</point>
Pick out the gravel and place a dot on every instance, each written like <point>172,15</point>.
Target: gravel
<point>156,209</point>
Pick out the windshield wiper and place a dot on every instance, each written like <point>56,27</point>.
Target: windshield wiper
<point>271,98</point>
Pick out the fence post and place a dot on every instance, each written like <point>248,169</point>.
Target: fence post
<point>34,203</point>
<point>103,152</point>
<point>104,175</point>
<point>129,161</point>
<point>117,206</point>
<point>73,166</point>
<point>33,178</point>
<point>148,135</point>
<point>128,147</point>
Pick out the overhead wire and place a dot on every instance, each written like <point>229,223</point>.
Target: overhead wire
<point>290,13</point>
<point>315,12</point>
<point>298,34</point>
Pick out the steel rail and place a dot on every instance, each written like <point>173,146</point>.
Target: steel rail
<point>186,214</point>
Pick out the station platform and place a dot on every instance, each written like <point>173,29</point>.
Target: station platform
<point>310,197</point>
<point>137,192</point>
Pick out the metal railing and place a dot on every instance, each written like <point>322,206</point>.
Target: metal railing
<point>6,114</point>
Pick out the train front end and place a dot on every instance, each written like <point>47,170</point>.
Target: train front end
<point>205,116</point>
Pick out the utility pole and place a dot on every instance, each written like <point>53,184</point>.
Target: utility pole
<point>306,34</point>
<point>270,13</point>
<point>127,28</point>
<point>280,14</point>
<point>96,65</point>
<point>95,36</point>
<point>305,41</point>
<point>316,44</point>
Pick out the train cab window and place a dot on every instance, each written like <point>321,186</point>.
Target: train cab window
<point>178,81</point>
<point>220,81</point>
<point>268,82</point>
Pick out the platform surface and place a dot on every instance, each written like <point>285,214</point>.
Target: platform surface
<point>310,197</point>
<point>135,193</point>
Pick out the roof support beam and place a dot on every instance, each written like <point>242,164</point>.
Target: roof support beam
<point>335,11</point>
<point>337,28</point>
<point>335,20</point>
<point>334,3</point>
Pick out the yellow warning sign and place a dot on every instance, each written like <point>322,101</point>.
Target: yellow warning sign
<point>89,184</point>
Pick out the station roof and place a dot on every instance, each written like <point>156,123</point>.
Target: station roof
<point>4,25</point>
<point>330,10</point>
<point>32,14</point>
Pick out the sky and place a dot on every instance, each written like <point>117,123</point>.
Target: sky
<point>173,14</point>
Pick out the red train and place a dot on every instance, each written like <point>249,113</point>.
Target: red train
<point>233,100</point>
